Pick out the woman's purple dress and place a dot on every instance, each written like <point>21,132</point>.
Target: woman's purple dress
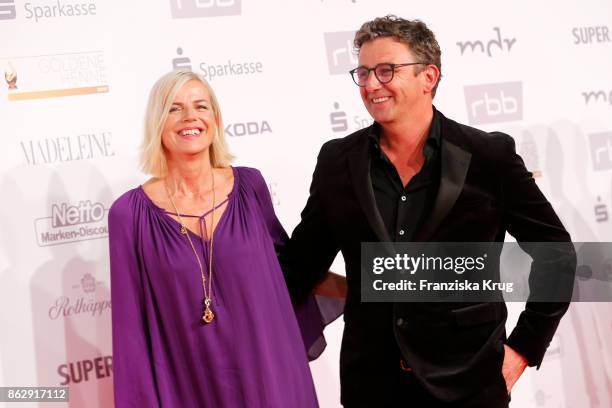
<point>251,355</point>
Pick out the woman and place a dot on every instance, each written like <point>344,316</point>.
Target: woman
<point>201,314</point>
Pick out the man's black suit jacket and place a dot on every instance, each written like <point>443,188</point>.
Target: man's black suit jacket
<point>453,349</point>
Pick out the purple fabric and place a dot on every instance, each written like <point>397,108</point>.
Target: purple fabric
<point>251,355</point>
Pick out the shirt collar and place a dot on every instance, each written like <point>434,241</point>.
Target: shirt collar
<point>432,142</point>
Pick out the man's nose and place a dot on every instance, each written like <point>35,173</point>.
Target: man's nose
<point>371,82</point>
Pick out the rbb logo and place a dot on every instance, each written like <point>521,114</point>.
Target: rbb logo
<point>601,150</point>
<point>247,129</point>
<point>491,103</point>
<point>7,10</point>
<point>205,8</point>
<point>341,57</point>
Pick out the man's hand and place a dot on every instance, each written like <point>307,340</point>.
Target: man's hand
<point>513,366</point>
<point>332,285</point>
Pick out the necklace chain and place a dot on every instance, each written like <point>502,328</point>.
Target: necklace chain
<point>208,315</point>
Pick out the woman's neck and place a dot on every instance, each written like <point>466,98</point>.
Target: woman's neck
<point>191,178</point>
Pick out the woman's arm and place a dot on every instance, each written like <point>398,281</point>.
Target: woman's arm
<point>134,383</point>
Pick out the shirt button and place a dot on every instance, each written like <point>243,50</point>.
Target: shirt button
<point>403,198</point>
<point>399,322</point>
<point>401,232</point>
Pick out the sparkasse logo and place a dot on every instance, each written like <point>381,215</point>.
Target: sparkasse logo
<point>7,10</point>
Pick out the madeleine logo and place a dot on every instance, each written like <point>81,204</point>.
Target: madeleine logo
<point>72,223</point>
<point>52,76</point>
<point>341,57</point>
<point>205,8</point>
<point>601,150</point>
<point>65,149</point>
<point>7,10</point>
<point>493,103</point>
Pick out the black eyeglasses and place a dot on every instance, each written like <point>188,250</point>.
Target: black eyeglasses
<point>383,72</point>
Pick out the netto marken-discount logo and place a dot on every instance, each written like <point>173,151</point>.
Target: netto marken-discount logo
<point>72,223</point>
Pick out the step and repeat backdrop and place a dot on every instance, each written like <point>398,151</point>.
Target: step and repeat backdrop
<point>76,75</point>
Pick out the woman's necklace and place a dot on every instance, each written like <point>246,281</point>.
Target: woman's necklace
<point>208,315</point>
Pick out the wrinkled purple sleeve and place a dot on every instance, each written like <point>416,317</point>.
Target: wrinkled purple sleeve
<point>315,312</point>
<point>133,379</point>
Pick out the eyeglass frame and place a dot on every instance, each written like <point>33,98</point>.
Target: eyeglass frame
<point>393,66</point>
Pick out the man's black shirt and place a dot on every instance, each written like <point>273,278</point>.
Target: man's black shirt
<point>405,208</point>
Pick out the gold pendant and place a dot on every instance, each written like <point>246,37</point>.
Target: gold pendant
<point>208,315</point>
<point>183,230</point>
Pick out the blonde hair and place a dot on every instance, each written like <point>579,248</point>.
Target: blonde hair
<point>152,155</point>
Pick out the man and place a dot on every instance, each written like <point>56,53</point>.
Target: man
<point>415,175</point>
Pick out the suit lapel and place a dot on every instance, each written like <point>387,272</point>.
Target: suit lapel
<point>454,166</point>
<point>359,168</point>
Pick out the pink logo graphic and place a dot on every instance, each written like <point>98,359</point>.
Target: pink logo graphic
<point>88,283</point>
<point>494,103</point>
<point>601,150</point>
<point>341,57</point>
<point>7,10</point>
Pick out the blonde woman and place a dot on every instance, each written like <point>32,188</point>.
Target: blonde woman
<point>201,313</point>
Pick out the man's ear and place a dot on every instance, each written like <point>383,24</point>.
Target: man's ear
<point>432,76</point>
